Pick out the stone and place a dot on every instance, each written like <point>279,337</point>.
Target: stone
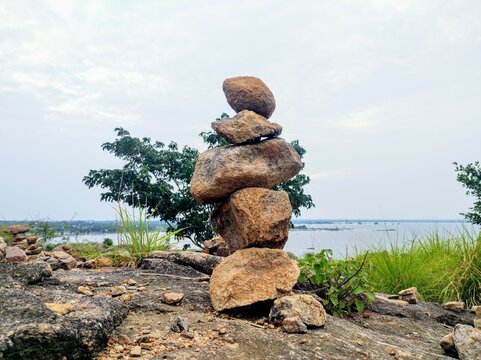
<point>299,306</point>
<point>34,251</point>
<point>454,305</point>
<point>294,325</point>
<point>253,217</point>
<point>32,239</point>
<point>467,341</point>
<point>245,127</point>
<point>67,261</point>
<point>477,322</point>
<point>18,229</point>
<point>136,351</point>
<point>410,295</point>
<point>3,249</point>
<point>104,262</point>
<point>62,309</point>
<point>252,275</point>
<point>477,310</point>
<point>22,244</point>
<point>249,93</point>
<point>14,254</point>
<point>447,344</point>
<point>118,290</point>
<point>200,262</point>
<point>84,290</point>
<point>29,330</point>
<point>221,171</point>
<point>19,237</point>
<point>24,273</point>
<point>180,324</point>
<point>171,298</point>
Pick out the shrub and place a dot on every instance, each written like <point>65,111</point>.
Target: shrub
<point>442,268</point>
<point>341,284</point>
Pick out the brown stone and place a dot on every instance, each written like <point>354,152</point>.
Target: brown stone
<point>221,171</point>
<point>249,93</point>
<point>22,244</point>
<point>35,251</point>
<point>467,341</point>
<point>32,239</point>
<point>17,229</point>
<point>254,217</point>
<point>62,309</point>
<point>84,290</point>
<point>246,126</point>
<point>15,254</point>
<point>252,275</point>
<point>454,305</point>
<point>19,237</point>
<point>118,290</point>
<point>104,262</point>
<point>171,298</point>
<point>67,261</point>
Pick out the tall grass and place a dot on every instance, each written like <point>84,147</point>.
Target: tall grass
<point>136,235</point>
<point>443,268</point>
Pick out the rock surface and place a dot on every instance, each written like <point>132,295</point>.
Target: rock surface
<point>467,341</point>
<point>221,171</point>
<point>303,307</point>
<point>252,275</point>
<point>171,298</point>
<point>249,93</point>
<point>246,126</point>
<point>253,217</point>
<point>201,262</point>
<point>15,254</point>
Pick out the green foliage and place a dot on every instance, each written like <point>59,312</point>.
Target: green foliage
<point>44,231</point>
<point>342,284</point>
<point>157,178</point>
<point>442,268</point>
<point>138,237</point>
<point>107,243</point>
<point>5,235</point>
<point>470,176</point>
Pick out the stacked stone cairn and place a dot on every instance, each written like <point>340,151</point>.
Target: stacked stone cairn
<point>251,218</point>
<point>23,244</point>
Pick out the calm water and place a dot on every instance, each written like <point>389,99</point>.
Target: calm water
<point>344,237</point>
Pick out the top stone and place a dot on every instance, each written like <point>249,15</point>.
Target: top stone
<point>249,93</point>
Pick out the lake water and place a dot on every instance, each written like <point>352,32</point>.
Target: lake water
<point>343,237</point>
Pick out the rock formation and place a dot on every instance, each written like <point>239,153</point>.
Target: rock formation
<point>23,244</point>
<point>252,219</point>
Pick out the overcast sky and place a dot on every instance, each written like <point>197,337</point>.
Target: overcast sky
<point>384,95</point>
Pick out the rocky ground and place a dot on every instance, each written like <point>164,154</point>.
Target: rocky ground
<point>119,314</point>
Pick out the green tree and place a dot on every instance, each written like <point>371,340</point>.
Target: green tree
<point>157,178</point>
<point>470,176</point>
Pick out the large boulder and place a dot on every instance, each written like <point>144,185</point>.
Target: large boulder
<point>18,229</point>
<point>246,126</point>
<point>299,306</point>
<point>221,171</point>
<point>252,275</point>
<point>249,93</point>
<point>254,217</point>
<point>3,249</point>
<point>467,341</point>
<point>15,254</point>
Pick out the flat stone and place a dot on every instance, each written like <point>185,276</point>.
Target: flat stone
<point>253,217</point>
<point>19,237</point>
<point>246,126</point>
<point>454,305</point>
<point>32,239</point>
<point>249,93</point>
<point>299,306</point>
<point>171,298</point>
<point>22,244</point>
<point>294,325</point>
<point>84,290</point>
<point>18,229</point>
<point>221,171</point>
<point>203,263</point>
<point>252,275</point>
<point>15,254</point>
<point>136,351</point>
<point>62,309</point>
<point>118,290</point>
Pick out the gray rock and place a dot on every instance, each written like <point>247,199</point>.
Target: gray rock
<point>15,255</point>
<point>3,249</point>
<point>467,341</point>
<point>246,126</point>
<point>447,344</point>
<point>221,171</point>
<point>294,325</point>
<point>29,330</point>
<point>24,273</point>
<point>204,263</point>
<point>299,306</point>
